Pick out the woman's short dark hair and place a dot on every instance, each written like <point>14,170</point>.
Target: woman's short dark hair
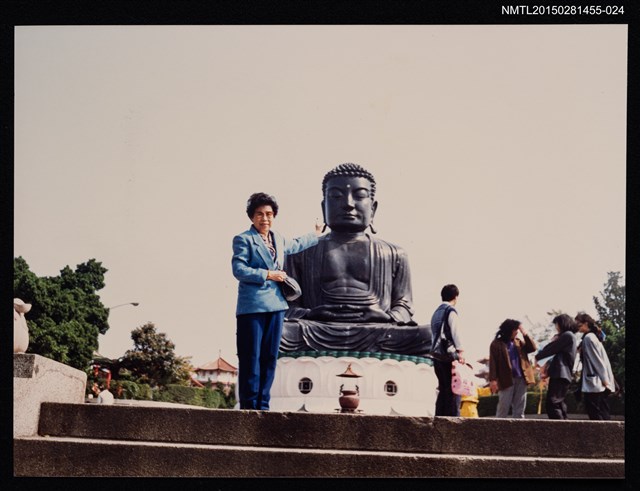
<point>565,323</point>
<point>449,292</point>
<point>506,329</point>
<point>585,318</point>
<point>256,200</point>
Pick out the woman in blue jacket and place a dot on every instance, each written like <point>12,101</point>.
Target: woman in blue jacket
<point>597,376</point>
<point>563,348</point>
<point>258,256</point>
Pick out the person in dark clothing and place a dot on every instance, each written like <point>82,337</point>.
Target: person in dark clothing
<point>446,346</point>
<point>563,349</point>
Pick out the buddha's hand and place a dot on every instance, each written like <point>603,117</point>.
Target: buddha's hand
<point>333,313</point>
<point>373,313</point>
<point>342,312</point>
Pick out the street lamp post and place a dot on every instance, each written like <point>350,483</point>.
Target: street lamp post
<point>135,304</point>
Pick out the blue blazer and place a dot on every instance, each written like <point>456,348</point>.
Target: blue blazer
<point>250,263</point>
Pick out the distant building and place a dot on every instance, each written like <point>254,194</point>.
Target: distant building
<point>215,371</point>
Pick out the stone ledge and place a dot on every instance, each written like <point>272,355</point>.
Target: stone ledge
<point>70,457</point>
<point>485,436</point>
<point>36,380</point>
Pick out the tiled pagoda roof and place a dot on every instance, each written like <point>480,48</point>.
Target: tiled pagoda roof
<point>220,364</point>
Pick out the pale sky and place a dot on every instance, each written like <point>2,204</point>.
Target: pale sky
<point>499,155</point>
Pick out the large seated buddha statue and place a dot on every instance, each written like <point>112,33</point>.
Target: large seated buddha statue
<point>356,288</point>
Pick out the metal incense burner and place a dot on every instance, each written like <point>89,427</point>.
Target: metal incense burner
<point>349,396</point>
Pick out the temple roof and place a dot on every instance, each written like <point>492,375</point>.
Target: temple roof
<point>220,364</point>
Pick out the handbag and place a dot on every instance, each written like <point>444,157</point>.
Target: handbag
<point>290,289</point>
<point>616,389</point>
<point>463,381</point>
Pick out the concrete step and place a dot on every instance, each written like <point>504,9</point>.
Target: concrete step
<point>332,431</point>
<point>81,457</point>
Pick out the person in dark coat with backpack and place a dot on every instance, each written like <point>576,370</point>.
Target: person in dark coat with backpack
<point>446,346</point>
<point>560,371</point>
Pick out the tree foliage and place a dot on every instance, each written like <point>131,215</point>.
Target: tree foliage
<point>611,308</point>
<point>153,359</point>
<point>67,315</point>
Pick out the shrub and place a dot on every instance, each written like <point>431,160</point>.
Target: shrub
<point>196,396</point>
<point>487,405</point>
<point>213,398</point>
<point>133,390</point>
<point>180,394</point>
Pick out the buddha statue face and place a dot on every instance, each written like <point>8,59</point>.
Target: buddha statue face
<point>348,204</point>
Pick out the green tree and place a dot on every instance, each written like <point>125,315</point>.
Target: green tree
<point>611,311</point>
<point>153,359</point>
<point>67,315</point>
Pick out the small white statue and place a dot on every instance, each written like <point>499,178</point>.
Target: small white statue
<point>105,397</point>
<point>20,328</point>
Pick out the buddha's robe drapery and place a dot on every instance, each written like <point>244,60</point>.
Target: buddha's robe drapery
<point>389,289</point>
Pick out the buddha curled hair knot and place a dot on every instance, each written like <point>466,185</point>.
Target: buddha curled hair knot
<point>349,170</point>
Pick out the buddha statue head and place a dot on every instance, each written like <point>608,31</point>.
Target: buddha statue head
<point>348,203</point>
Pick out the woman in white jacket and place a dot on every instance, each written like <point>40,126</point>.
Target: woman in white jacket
<point>597,377</point>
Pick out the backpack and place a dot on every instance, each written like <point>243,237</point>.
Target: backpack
<point>446,349</point>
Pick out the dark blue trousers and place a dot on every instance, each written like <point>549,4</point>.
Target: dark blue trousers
<point>556,392</point>
<point>447,403</point>
<point>257,340</point>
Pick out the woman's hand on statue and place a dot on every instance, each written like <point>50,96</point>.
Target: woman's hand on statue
<point>319,227</point>
<point>276,275</point>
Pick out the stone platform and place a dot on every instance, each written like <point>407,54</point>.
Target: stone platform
<point>56,435</point>
<point>390,384</point>
<point>37,379</point>
<point>91,439</point>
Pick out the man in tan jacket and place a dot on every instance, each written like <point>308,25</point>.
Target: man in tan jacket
<point>509,368</point>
